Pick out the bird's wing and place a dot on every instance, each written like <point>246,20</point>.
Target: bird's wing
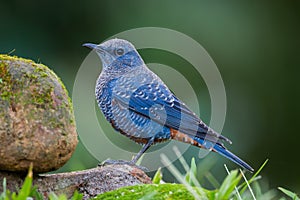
<point>158,103</point>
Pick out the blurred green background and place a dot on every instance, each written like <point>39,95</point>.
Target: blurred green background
<point>254,44</point>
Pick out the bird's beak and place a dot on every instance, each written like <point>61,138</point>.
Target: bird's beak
<point>94,47</point>
<point>90,45</point>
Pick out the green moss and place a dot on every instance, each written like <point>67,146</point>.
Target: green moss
<point>5,89</point>
<point>25,82</point>
<point>43,74</point>
<point>40,71</point>
<point>149,191</point>
<point>3,69</point>
<point>5,95</point>
<point>42,98</point>
<point>4,57</point>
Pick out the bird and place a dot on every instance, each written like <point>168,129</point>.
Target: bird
<point>139,105</point>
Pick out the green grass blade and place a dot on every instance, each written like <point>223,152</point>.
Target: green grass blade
<point>139,161</point>
<point>248,185</point>
<point>193,169</point>
<point>228,185</point>
<point>181,159</point>
<point>212,180</point>
<point>26,187</point>
<point>3,194</point>
<point>205,166</point>
<point>35,194</point>
<point>77,196</point>
<point>53,196</point>
<point>157,177</point>
<point>289,193</point>
<point>244,184</point>
<point>198,195</point>
<point>191,173</point>
<point>235,188</point>
<point>256,189</point>
<point>191,179</point>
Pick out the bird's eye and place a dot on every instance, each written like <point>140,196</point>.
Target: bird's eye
<point>119,52</point>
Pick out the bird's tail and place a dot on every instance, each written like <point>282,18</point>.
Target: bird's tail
<point>219,148</point>
<point>207,144</point>
<point>227,154</point>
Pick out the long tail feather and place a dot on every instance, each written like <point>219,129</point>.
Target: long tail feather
<point>227,154</point>
<point>206,144</point>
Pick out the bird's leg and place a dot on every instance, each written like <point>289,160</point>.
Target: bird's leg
<point>134,160</point>
<point>142,151</point>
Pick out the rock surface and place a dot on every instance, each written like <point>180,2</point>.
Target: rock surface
<point>36,118</point>
<point>90,182</point>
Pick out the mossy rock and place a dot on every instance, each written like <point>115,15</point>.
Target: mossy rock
<point>36,118</point>
<point>152,191</point>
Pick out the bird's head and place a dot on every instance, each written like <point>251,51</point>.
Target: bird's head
<point>117,55</point>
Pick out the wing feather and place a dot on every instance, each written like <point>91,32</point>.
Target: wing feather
<point>158,103</point>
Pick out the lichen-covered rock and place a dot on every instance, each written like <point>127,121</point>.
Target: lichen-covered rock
<point>36,118</point>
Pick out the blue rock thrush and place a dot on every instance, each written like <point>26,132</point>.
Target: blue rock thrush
<point>139,105</point>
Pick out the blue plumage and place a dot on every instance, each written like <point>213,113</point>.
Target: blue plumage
<point>139,105</point>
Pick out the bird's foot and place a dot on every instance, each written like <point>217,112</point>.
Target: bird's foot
<point>122,162</point>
